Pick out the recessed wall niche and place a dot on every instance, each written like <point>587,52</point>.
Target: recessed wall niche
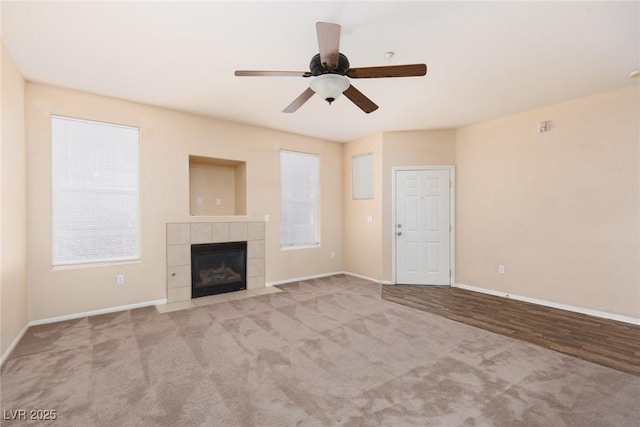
<point>217,187</point>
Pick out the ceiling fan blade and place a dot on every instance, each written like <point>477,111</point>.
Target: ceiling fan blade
<point>297,103</point>
<point>410,70</point>
<point>258,73</point>
<point>328,43</point>
<point>360,100</point>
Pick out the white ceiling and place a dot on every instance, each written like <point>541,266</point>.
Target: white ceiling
<point>485,60</point>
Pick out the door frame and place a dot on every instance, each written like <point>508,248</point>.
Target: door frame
<point>452,216</point>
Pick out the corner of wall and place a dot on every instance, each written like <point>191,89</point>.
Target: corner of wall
<point>13,266</point>
<point>558,210</point>
<point>363,225</point>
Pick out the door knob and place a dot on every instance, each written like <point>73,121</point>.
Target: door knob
<point>399,233</point>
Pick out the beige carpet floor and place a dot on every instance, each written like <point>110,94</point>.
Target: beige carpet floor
<point>323,352</point>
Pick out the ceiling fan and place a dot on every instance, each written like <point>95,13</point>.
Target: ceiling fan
<point>330,72</point>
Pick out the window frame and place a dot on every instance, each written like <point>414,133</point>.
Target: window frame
<point>95,260</point>
<point>357,185</point>
<point>316,203</point>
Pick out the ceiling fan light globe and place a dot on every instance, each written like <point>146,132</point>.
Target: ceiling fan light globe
<point>329,86</point>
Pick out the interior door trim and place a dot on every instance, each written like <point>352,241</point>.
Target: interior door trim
<point>452,216</point>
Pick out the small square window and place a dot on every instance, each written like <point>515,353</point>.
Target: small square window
<point>362,176</point>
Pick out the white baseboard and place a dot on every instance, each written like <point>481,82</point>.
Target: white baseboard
<point>13,345</point>
<point>96,312</point>
<point>360,276</point>
<point>299,279</point>
<point>382,282</point>
<point>567,307</point>
<point>318,276</point>
<point>15,342</point>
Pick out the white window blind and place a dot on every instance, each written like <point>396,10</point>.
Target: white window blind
<point>94,191</point>
<point>299,190</point>
<point>362,176</point>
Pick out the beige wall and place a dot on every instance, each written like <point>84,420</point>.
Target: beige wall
<point>167,139</point>
<point>13,270</point>
<point>560,210</point>
<point>240,195</point>
<point>363,239</point>
<point>408,148</point>
<point>211,182</point>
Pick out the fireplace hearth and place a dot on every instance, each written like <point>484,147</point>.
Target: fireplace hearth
<point>218,268</point>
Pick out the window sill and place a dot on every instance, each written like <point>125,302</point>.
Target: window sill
<point>293,248</point>
<point>94,265</point>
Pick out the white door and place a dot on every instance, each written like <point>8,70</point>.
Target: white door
<point>422,229</point>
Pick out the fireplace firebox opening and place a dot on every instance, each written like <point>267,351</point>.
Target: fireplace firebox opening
<point>218,268</point>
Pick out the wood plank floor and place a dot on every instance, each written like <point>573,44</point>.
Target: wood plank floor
<point>606,342</point>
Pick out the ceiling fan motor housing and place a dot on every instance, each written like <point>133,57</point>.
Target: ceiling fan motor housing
<point>317,68</point>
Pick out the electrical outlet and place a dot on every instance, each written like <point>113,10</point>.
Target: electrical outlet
<point>218,202</point>
<point>266,218</point>
<point>333,255</point>
<point>501,269</point>
<point>120,279</point>
<point>199,201</point>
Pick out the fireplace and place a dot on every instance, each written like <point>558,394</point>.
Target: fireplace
<point>217,268</point>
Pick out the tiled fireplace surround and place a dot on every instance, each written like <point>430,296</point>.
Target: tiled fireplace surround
<point>180,237</point>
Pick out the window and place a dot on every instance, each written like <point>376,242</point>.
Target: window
<point>362,176</point>
<point>94,191</point>
<point>299,190</point>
